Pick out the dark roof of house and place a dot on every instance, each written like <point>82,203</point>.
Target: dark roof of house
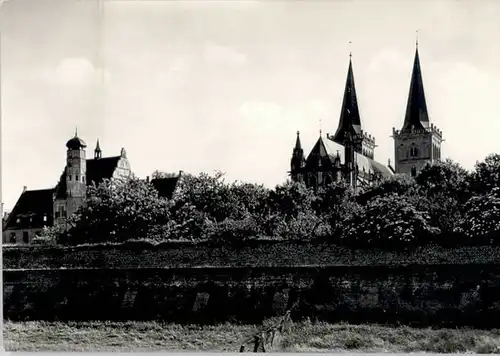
<point>100,169</point>
<point>165,186</point>
<point>350,120</point>
<point>31,206</point>
<point>97,171</point>
<point>416,108</point>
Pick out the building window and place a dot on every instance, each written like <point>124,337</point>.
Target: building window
<point>69,177</point>
<point>12,237</point>
<point>77,178</point>
<point>60,212</point>
<point>26,237</point>
<point>45,218</point>
<point>83,178</point>
<point>413,172</point>
<point>18,220</point>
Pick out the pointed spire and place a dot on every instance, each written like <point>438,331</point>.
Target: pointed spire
<point>416,109</point>
<point>298,160</point>
<point>298,145</point>
<point>349,116</point>
<point>97,151</point>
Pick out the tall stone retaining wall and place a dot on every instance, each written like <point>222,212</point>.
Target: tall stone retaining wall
<point>255,253</point>
<point>445,295</point>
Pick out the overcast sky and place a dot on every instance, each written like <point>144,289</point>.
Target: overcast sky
<point>225,85</point>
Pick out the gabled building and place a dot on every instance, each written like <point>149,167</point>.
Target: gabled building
<point>38,208</point>
<point>31,213</point>
<point>167,186</point>
<point>347,155</point>
<point>418,142</point>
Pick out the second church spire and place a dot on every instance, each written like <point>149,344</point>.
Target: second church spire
<point>350,120</point>
<point>416,116</point>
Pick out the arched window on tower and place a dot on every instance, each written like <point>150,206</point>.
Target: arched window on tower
<point>328,180</point>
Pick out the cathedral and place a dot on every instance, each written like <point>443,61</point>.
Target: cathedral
<point>349,154</point>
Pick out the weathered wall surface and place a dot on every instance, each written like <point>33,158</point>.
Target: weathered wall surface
<point>416,294</point>
<point>257,253</point>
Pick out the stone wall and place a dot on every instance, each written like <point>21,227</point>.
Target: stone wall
<point>256,253</point>
<point>445,295</point>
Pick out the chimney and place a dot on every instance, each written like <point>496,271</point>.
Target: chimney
<point>147,179</point>
<point>25,188</point>
<point>180,172</point>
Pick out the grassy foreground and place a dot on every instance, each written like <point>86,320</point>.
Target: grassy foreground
<point>301,337</point>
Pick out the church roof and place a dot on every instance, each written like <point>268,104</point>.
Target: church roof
<point>350,120</point>
<point>30,209</point>
<point>321,152</point>
<point>328,151</point>
<point>416,107</point>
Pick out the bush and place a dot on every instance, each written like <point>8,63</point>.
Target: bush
<point>389,221</point>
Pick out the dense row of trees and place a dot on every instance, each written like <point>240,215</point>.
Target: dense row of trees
<point>444,204</point>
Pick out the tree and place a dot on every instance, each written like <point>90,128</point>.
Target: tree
<point>206,194</point>
<point>486,175</point>
<point>400,184</point>
<point>117,211</point>
<point>207,207</point>
<point>291,212</point>
<point>389,221</point>
<point>291,198</point>
<point>445,177</point>
<point>444,188</point>
<point>480,223</point>
<point>336,204</point>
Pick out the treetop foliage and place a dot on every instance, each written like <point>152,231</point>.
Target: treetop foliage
<point>444,204</point>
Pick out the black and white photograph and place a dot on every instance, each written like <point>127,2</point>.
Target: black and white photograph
<point>250,176</point>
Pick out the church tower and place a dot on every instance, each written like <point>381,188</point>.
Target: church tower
<point>75,174</point>
<point>297,161</point>
<point>418,142</point>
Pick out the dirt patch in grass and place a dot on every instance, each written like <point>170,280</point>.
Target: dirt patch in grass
<point>301,337</point>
